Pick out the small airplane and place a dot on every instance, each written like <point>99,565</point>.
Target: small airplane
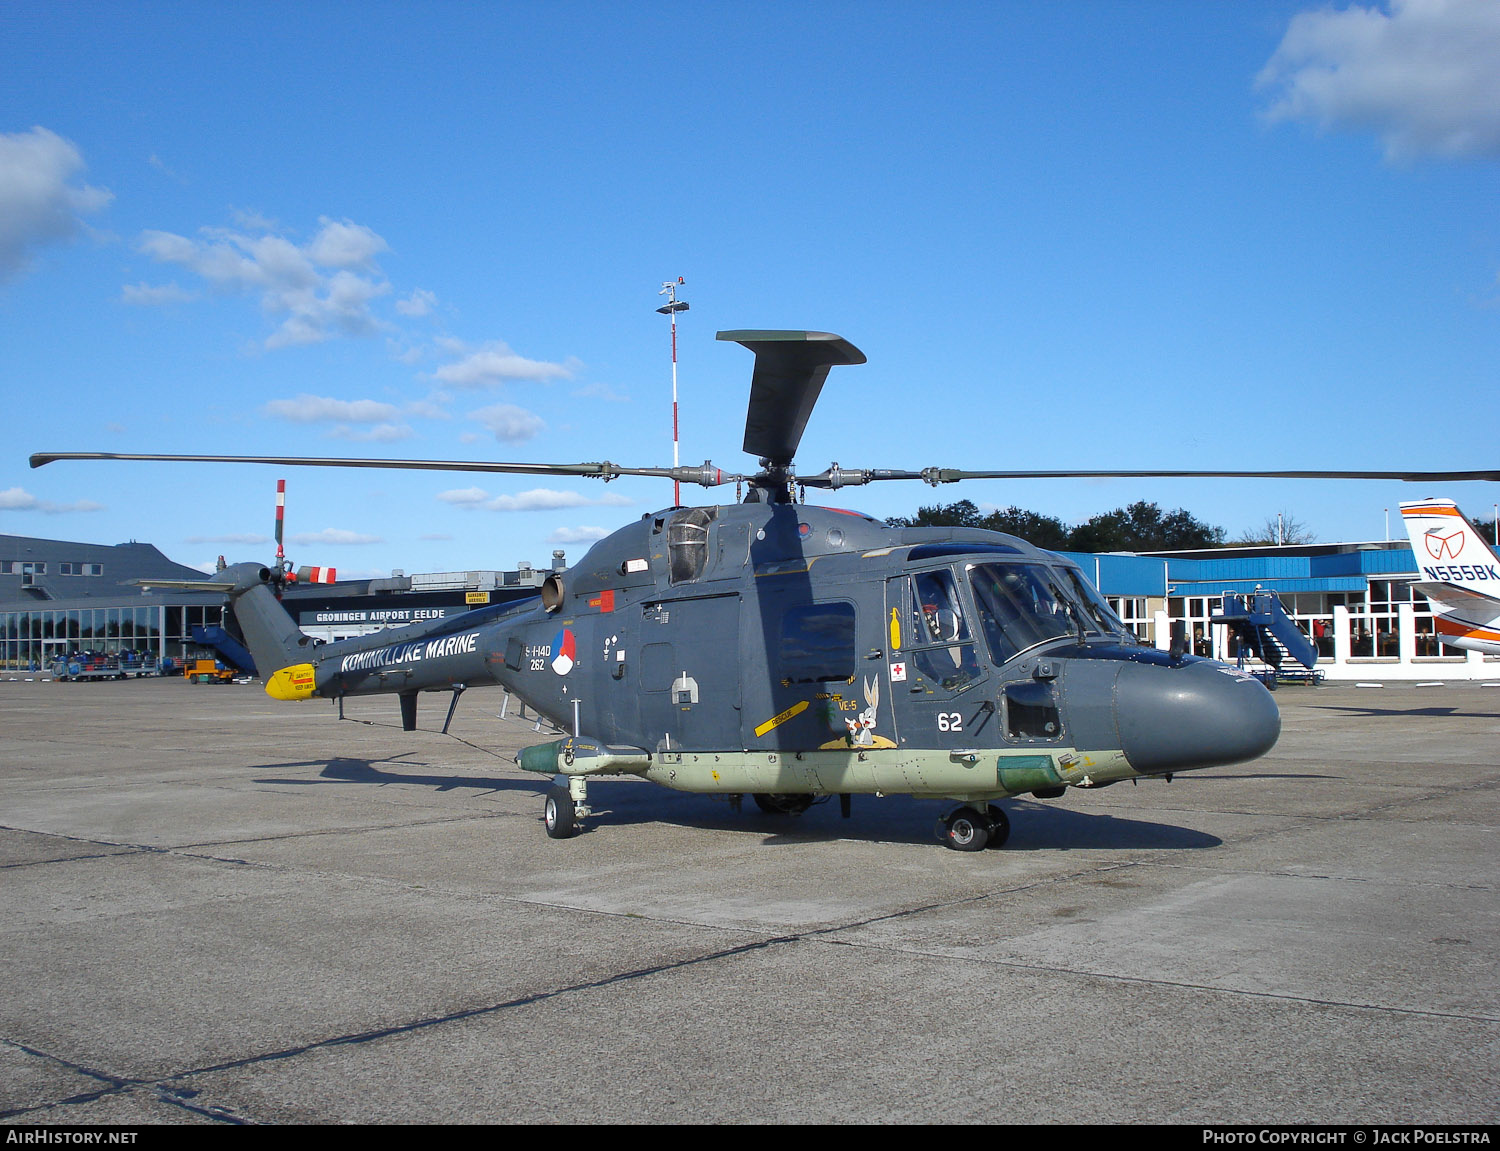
<point>792,652</point>
<point>1460,575</point>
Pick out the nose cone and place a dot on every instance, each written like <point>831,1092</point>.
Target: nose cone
<point>1198,714</point>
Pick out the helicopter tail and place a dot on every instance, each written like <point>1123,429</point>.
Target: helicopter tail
<point>278,646</point>
<point>276,643</point>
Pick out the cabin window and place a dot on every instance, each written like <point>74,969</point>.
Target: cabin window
<point>817,643</point>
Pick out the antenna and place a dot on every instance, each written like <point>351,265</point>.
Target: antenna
<point>671,308</point>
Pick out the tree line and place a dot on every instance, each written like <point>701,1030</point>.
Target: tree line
<point>1140,527</point>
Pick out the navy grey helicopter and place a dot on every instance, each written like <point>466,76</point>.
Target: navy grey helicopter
<point>792,652</point>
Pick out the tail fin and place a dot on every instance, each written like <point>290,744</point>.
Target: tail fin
<point>1460,575</point>
<point>1448,550</point>
<point>275,642</point>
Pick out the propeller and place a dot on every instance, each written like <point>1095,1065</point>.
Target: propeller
<point>790,370</point>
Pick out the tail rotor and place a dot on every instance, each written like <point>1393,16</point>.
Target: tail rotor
<point>284,571</point>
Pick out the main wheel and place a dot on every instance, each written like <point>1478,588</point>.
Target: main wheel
<point>559,814</point>
<point>999,826</point>
<point>782,804</point>
<point>966,830</point>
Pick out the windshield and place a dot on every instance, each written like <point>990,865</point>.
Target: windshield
<point>1098,607</point>
<point>1022,605</point>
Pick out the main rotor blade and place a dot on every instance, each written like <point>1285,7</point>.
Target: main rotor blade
<point>836,477</point>
<point>706,475</point>
<point>790,368</point>
<point>937,476</point>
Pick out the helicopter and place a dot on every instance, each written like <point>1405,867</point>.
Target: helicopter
<point>793,652</point>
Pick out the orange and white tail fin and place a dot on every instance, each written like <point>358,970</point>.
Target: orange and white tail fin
<point>1460,574</point>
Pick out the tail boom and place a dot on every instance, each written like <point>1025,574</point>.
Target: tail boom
<point>431,656</point>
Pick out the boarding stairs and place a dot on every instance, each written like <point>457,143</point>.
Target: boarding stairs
<point>1265,631</point>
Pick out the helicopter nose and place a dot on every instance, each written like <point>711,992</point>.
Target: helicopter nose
<point>1200,714</point>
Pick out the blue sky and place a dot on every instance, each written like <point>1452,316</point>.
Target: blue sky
<point>1129,235</point>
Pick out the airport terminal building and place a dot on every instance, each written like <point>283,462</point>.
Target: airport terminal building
<point>58,598</point>
<point>1354,600</point>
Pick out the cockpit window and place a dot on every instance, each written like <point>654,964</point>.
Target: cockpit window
<point>937,636</point>
<point>940,617</point>
<point>1022,605</point>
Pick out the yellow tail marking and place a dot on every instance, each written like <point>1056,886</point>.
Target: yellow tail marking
<point>295,682</point>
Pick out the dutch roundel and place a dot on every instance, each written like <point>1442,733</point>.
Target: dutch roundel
<point>566,648</point>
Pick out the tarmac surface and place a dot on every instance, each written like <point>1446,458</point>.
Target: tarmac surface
<point>219,909</point>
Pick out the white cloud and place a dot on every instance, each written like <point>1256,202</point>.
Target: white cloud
<point>538,499</point>
<point>509,423</point>
<point>154,295</point>
<point>1423,74</point>
<point>308,409</point>
<point>578,535</point>
<point>345,244</point>
<point>427,410</point>
<point>495,363</point>
<point>317,291</point>
<point>20,500</point>
<point>38,203</point>
<point>336,536</point>
<point>343,308</point>
<point>420,303</point>
<point>379,434</point>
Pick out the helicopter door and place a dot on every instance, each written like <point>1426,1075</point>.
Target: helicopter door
<point>934,667</point>
<point>690,673</point>
<point>815,692</point>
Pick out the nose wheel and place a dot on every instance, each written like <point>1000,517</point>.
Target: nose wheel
<point>969,829</point>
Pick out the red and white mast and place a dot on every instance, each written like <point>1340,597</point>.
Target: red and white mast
<point>672,307</point>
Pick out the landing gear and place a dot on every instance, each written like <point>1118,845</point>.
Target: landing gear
<point>782,804</point>
<point>999,826</point>
<point>969,829</point>
<point>560,815</point>
<point>965,830</point>
<point>566,806</point>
